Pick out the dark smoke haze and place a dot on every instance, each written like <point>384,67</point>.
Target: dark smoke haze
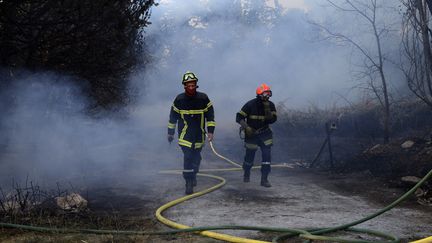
<point>46,136</point>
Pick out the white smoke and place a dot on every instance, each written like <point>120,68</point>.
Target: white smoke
<point>46,135</point>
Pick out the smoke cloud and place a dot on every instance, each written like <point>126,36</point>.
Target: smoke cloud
<point>47,137</point>
<point>231,56</point>
<point>232,46</point>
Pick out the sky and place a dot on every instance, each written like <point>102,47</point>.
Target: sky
<point>47,136</point>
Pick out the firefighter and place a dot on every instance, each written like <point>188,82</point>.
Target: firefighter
<point>191,110</point>
<point>254,118</point>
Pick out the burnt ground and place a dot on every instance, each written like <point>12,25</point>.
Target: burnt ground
<point>299,198</point>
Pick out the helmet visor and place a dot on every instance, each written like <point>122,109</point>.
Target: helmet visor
<point>189,77</point>
<point>267,94</point>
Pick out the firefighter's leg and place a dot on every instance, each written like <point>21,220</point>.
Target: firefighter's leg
<point>188,168</point>
<point>251,148</point>
<point>265,165</point>
<point>196,164</point>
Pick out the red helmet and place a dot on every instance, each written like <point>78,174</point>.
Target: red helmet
<point>263,88</point>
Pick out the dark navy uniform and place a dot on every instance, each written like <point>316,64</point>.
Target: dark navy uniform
<point>193,114</point>
<point>253,113</point>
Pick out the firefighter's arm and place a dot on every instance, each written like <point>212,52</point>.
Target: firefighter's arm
<point>267,110</point>
<point>241,119</point>
<point>242,115</point>
<point>270,112</point>
<point>249,131</point>
<point>173,117</point>
<point>209,116</point>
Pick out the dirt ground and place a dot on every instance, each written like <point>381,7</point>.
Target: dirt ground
<point>299,198</point>
<point>302,198</point>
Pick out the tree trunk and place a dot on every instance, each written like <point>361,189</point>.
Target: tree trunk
<point>429,4</point>
<point>380,66</point>
<point>426,44</point>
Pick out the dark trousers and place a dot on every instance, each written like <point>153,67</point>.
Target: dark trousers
<point>266,159</point>
<point>191,162</point>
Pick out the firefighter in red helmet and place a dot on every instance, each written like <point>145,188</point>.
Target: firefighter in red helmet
<point>192,111</point>
<point>255,117</point>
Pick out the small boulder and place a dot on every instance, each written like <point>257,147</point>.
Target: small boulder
<point>411,179</point>
<point>407,144</point>
<point>73,202</point>
<point>374,149</point>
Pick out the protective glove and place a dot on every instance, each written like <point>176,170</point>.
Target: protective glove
<point>243,124</point>
<point>249,132</point>
<point>170,138</point>
<point>267,111</point>
<point>210,137</point>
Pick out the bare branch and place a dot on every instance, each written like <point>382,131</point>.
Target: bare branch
<point>344,38</point>
<point>373,66</point>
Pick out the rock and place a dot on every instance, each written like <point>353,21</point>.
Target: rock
<point>410,179</point>
<point>377,146</point>
<point>425,201</point>
<point>423,197</point>
<point>373,149</point>
<point>72,202</point>
<point>407,144</point>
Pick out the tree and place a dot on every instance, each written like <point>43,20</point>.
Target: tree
<point>98,41</point>
<point>372,69</point>
<point>417,52</point>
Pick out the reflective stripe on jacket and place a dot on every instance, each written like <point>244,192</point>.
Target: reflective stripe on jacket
<point>253,113</point>
<point>193,114</point>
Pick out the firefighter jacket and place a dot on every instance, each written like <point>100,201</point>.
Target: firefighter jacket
<point>253,113</point>
<point>191,113</point>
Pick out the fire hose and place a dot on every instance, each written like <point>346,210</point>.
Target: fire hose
<point>308,235</point>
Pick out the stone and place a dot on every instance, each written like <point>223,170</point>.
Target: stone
<point>407,144</point>
<point>73,202</point>
<point>410,179</point>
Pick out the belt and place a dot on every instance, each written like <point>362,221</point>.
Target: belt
<point>262,130</point>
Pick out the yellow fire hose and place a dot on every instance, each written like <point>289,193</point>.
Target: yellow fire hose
<point>222,157</point>
<point>214,235</point>
<point>308,235</point>
<point>425,240</point>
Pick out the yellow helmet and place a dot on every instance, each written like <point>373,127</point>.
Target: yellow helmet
<point>188,77</point>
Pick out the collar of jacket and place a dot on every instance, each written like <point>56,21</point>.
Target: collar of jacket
<point>259,100</point>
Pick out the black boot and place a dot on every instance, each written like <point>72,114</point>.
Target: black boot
<point>194,181</point>
<point>246,176</point>
<point>189,186</point>
<point>264,181</point>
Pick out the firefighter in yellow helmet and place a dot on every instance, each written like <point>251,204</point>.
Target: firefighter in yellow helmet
<point>255,117</point>
<point>192,111</point>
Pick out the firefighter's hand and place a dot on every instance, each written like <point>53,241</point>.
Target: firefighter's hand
<point>210,137</point>
<point>249,132</point>
<point>267,111</point>
<point>170,138</point>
